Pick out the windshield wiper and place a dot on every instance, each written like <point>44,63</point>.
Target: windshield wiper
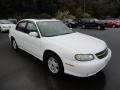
<point>66,33</point>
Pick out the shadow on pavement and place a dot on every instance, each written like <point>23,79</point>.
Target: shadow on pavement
<point>67,82</point>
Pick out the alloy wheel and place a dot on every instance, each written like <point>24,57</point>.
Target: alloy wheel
<point>53,65</point>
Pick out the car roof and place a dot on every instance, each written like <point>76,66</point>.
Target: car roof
<point>88,18</point>
<point>39,20</point>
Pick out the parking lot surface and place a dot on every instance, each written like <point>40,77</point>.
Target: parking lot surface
<point>21,71</point>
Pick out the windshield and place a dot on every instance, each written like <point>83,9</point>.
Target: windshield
<point>53,28</point>
<point>5,22</point>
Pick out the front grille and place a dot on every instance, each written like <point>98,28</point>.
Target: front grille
<point>102,54</point>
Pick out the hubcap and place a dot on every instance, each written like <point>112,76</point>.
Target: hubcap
<point>113,26</point>
<point>99,27</point>
<point>14,44</point>
<point>83,26</point>
<point>53,65</point>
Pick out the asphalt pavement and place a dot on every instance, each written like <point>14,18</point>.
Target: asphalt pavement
<point>21,71</point>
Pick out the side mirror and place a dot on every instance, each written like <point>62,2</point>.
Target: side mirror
<point>33,34</point>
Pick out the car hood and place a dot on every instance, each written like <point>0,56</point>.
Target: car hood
<point>82,43</point>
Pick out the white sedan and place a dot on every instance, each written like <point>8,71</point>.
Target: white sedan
<point>61,49</point>
<point>6,25</point>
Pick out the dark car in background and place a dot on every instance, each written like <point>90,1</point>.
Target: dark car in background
<point>91,22</point>
<point>70,22</point>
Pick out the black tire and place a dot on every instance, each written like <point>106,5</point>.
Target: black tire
<point>0,30</point>
<point>14,44</point>
<point>113,26</point>
<point>83,26</point>
<point>99,27</point>
<point>69,25</point>
<point>58,61</point>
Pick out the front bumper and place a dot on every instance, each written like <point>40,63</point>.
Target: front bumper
<point>86,68</point>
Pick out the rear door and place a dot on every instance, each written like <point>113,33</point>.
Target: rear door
<point>19,34</point>
<point>93,23</point>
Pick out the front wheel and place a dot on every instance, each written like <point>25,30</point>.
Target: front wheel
<point>55,65</point>
<point>99,27</point>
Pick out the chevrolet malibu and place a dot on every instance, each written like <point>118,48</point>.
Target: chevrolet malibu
<point>59,48</point>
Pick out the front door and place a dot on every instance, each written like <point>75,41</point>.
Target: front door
<point>33,44</point>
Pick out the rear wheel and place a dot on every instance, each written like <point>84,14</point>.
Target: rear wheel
<point>0,30</point>
<point>113,26</point>
<point>69,25</point>
<point>14,44</point>
<point>83,26</point>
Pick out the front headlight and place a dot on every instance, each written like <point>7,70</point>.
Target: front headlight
<point>84,57</point>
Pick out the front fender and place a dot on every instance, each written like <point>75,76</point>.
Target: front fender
<point>63,52</point>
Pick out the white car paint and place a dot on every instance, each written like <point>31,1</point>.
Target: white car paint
<point>66,47</point>
<point>7,27</point>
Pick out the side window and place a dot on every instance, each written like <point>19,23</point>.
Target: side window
<point>87,20</point>
<point>21,26</point>
<point>81,20</point>
<point>31,27</point>
<point>92,20</point>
